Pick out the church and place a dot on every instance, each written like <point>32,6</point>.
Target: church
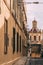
<point>35,40</point>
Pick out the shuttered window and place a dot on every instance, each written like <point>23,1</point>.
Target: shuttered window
<point>13,40</point>
<point>6,39</point>
<point>35,38</point>
<point>17,41</point>
<point>20,43</point>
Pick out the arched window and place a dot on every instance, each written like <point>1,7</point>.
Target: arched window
<point>13,40</point>
<point>35,38</point>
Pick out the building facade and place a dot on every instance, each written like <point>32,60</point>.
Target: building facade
<point>13,33</point>
<point>35,40</point>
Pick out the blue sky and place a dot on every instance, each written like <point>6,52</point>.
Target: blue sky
<point>34,11</point>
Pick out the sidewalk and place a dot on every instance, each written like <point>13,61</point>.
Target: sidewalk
<point>21,61</point>
<point>11,62</point>
<point>17,61</point>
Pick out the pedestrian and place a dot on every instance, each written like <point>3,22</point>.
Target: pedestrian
<point>28,53</point>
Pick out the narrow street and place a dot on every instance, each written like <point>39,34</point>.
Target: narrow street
<point>21,32</point>
<point>27,61</point>
<point>21,61</point>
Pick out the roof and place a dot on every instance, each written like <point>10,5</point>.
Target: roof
<point>34,21</point>
<point>35,31</point>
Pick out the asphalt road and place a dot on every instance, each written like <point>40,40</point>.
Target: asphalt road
<point>28,61</point>
<point>36,61</point>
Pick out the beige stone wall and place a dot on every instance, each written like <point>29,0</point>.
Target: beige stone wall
<point>5,13</point>
<point>37,41</point>
<point>9,56</point>
<point>37,37</point>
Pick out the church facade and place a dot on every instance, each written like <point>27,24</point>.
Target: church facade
<point>35,40</point>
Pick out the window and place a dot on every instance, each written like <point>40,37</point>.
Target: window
<point>30,37</point>
<point>20,43</point>
<point>13,40</point>
<point>35,38</point>
<point>39,38</point>
<point>6,39</point>
<point>17,41</point>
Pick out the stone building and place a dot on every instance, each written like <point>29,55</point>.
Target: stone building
<point>13,33</point>
<point>35,40</point>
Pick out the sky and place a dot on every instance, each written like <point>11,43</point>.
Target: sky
<point>34,11</point>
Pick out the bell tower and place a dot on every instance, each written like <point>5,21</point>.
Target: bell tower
<point>34,24</point>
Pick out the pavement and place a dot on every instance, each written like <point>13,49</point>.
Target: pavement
<point>34,61</point>
<point>25,61</point>
<point>21,61</point>
<point>11,61</point>
<point>18,61</point>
